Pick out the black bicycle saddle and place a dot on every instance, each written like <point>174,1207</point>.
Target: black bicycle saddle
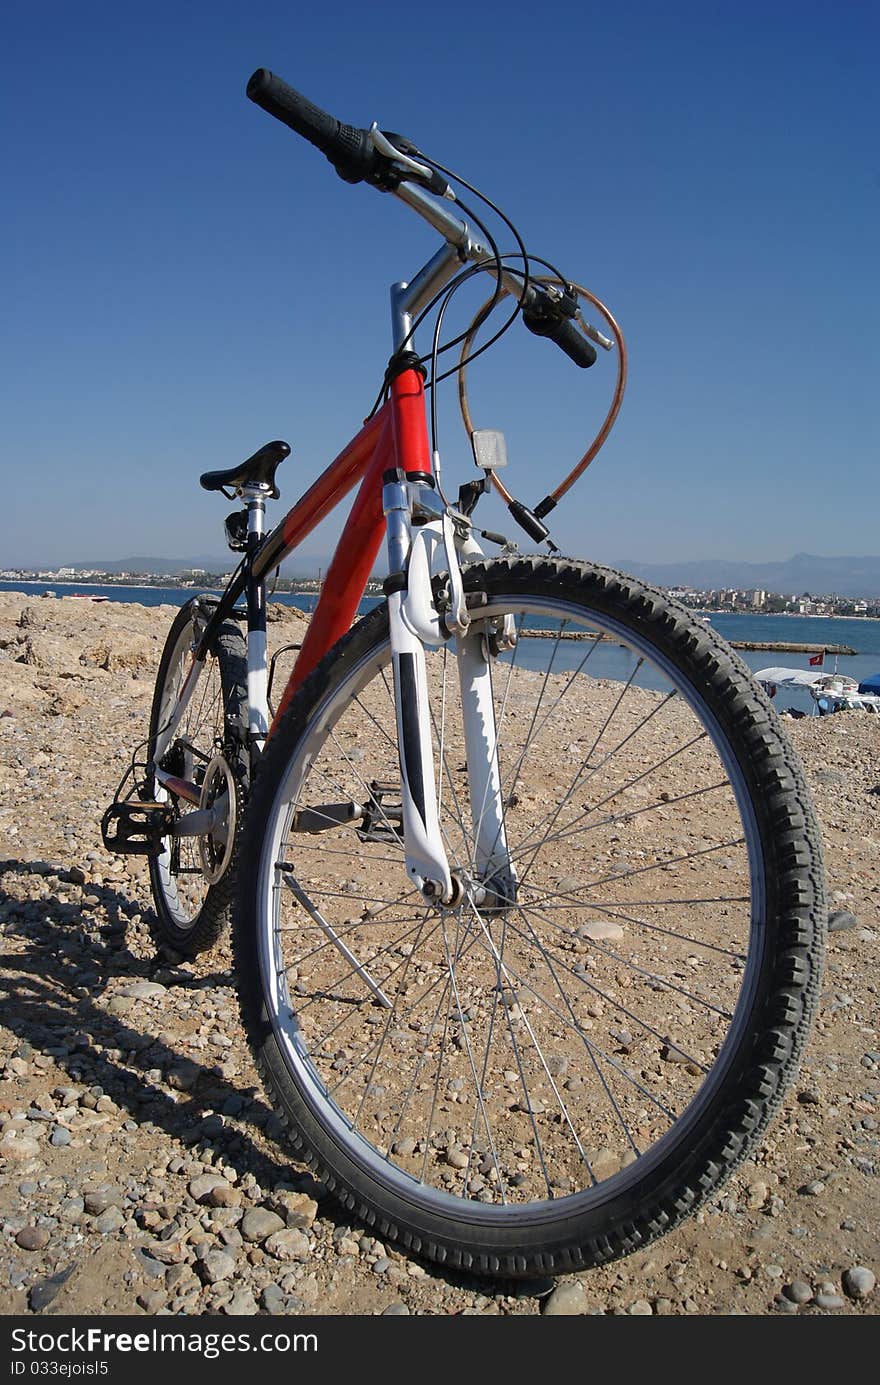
<point>258,470</point>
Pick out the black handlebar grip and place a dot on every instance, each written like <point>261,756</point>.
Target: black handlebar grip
<point>349,149</point>
<point>574,344</point>
<point>544,317</point>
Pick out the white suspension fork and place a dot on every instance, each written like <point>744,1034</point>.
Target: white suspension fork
<point>416,553</point>
<point>491,866</point>
<point>426,860</point>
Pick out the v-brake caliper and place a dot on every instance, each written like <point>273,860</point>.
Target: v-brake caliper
<point>422,543</point>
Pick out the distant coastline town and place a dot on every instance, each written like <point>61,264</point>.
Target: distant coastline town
<point>752,601</point>
<point>188,577</point>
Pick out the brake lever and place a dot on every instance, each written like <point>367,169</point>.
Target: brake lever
<point>382,144</point>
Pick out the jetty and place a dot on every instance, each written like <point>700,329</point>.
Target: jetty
<point>788,648</point>
<point>767,646</point>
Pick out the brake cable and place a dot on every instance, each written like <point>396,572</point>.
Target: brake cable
<point>551,501</point>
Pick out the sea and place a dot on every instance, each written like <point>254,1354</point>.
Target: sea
<point>608,661</point>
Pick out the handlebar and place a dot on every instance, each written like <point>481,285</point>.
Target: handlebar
<point>349,149</point>
<point>352,152</point>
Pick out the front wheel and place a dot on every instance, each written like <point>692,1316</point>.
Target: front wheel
<point>547,1079</point>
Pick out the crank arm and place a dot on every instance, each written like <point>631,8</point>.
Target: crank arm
<point>204,821</point>
<point>324,816</point>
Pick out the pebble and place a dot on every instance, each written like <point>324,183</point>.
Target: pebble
<point>151,1300</point>
<point>143,990</point>
<point>456,1159</point>
<point>859,1282</point>
<point>113,1219</point>
<point>98,1200</point>
<point>19,1147</point>
<point>32,1238</point>
<point>828,1301</point>
<point>241,1305</point>
<point>298,1209</point>
<point>601,931</point>
<point>60,1136</point>
<point>640,1309</point>
<point>273,1298</point>
<point>784,1305</point>
<point>217,1265</point>
<point>841,921</point>
<point>396,1310</point>
<point>71,1209</point>
<point>258,1224</point>
<point>670,1054</point>
<point>290,1245</point>
<point>566,1301</point>
<point>201,1188</point>
<point>798,1291</point>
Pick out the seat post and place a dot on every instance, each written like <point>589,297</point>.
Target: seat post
<point>254,497</point>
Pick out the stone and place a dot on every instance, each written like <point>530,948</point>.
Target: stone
<point>289,1244</point>
<point>217,1265</point>
<point>273,1298</point>
<point>784,1305</point>
<point>566,1301</point>
<point>798,1291</point>
<point>60,1137</point>
<point>151,1300</point>
<point>297,1209</point>
<point>112,1219</point>
<point>201,1188</point>
<point>396,1310</point>
<point>143,990</point>
<point>18,1147</point>
<point>828,1301</point>
<point>258,1224</point>
<point>97,1200</point>
<point>32,1238</point>
<point>241,1305</point>
<point>841,921</point>
<point>601,931</point>
<point>183,1076</point>
<point>859,1282</point>
<point>224,1195</point>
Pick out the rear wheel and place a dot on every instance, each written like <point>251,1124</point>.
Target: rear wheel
<point>193,877</point>
<point>557,1077</point>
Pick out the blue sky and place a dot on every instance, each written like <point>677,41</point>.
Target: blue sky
<point>185,279</point>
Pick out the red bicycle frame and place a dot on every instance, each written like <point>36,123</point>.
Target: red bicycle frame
<point>395,438</point>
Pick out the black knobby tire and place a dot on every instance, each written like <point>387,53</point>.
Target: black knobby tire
<point>725,1106</point>
<point>190,913</point>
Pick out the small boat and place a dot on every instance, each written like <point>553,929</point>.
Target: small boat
<point>87,596</point>
<point>831,692</point>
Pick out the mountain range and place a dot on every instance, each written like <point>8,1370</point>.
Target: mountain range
<point>804,572</point>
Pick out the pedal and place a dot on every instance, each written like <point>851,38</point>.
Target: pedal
<point>383,819</point>
<point>134,828</point>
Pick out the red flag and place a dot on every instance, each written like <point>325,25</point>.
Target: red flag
<point>817,660</point>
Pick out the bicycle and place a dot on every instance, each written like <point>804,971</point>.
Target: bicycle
<point>528,891</point>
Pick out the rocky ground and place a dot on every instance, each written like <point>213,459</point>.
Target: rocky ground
<point>139,1165</point>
